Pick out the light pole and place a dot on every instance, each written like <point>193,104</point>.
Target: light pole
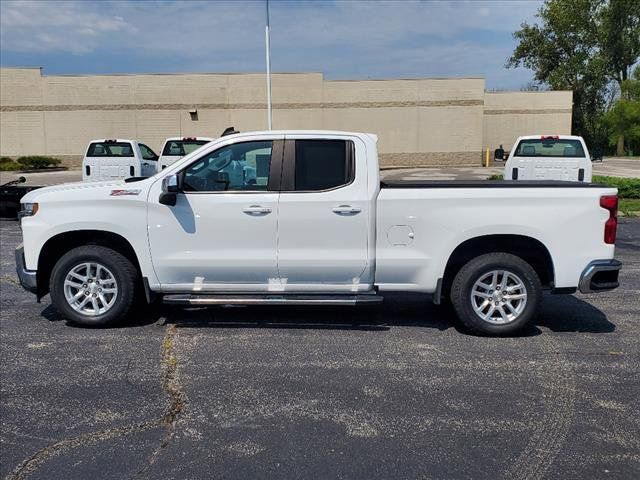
<point>268,55</point>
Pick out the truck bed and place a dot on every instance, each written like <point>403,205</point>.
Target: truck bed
<point>402,183</point>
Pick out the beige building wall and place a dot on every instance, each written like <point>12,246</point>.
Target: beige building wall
<point>508,115</point>
<point>419,122</point>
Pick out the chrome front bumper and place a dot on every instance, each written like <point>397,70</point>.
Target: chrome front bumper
<point>27,277</point>
<point>600,276</point>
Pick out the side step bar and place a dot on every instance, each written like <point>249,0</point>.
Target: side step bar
<point>270,299</point>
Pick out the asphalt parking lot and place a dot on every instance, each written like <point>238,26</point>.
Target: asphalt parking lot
<point>394,392</point>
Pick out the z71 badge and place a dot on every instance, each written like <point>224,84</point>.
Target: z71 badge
<point>120,193</point>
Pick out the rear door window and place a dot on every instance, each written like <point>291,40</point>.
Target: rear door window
<point>549,147</point>
<point>110,149</point>
<point>322,164</point>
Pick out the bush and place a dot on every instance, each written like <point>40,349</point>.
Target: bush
<point>36,162</point>
<point>627,187</point>
<point>629,206</point>
<point>7,164</point>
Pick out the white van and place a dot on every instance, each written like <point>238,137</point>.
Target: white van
<point>116,159</point>
<point>555,157</point>
<point>177,147</point>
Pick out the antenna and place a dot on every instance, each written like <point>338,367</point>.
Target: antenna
<point>268,55</point>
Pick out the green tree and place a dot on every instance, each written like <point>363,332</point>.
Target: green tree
<point>619,37</point>
<point>623,119</point>
<point>587,46</point>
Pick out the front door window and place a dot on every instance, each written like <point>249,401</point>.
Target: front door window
<point>238,167</point>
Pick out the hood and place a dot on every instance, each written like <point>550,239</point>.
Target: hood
<point>79,187</point>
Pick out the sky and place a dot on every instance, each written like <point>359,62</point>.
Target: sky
<point>349,39</point>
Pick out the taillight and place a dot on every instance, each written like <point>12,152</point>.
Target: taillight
<point>610,202</point>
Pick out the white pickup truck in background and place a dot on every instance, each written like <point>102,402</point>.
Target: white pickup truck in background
<point>301,217</point>
<point>117,159</point>
<point>177,147</point>
<point>554,157</point>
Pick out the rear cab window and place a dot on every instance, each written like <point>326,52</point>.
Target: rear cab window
<point>174,148</point>
<point>322,165</point>
<point>110,148</point>
<point>549,147</point>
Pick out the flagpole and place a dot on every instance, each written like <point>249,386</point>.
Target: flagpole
<point>268,59</point>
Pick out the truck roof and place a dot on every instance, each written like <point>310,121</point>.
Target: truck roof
<point>174,139</point>
<point>559,137</point>
<point>303,132</point>
<point>104,140</point>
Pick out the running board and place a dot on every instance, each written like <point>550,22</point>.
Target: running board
<point>270,299</point>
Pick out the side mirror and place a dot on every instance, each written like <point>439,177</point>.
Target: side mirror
<point>498,154</point>
<point>170,184</point>
<point>21,179</point>
<point>170,189</point>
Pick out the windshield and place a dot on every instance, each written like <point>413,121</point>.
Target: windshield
<point>182,147</point>
<point>549,147</point>
<point>110,149</point>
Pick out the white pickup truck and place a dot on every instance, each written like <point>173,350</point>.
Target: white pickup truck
<point>549,157</point>
<point>114,159</point>
<point>313,224</point>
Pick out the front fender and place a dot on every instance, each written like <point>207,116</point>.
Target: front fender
<point>122,216</point>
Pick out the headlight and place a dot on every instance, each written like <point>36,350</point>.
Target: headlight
<point>28,210</point>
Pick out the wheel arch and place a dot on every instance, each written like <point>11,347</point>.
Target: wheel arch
<point>56,246</point>
<point>531,250</point>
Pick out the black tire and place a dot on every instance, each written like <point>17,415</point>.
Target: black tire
<point>473,271</point>
<point>126,277</point>
<point>9,209</point>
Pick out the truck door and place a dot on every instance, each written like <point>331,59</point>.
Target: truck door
<point>221,234</point>
<point>149,161</point>
<point>323,216</point>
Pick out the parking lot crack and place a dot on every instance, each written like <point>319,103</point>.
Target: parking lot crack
<point>63,446</point>
<point>168,420</point>
<point>173,388</point>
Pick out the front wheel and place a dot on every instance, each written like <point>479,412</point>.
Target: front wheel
<point>93,285</point>
<point>496,294</point>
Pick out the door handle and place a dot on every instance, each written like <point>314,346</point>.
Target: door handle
<point>256,210</point>
<point>346,210</point>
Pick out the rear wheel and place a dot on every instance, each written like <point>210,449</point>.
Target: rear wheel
<point>496,294</point>
<point>93,285</point>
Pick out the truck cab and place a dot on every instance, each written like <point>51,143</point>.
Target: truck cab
<point>177,147</point>
<point>117,159</point>
<point>549,157</point>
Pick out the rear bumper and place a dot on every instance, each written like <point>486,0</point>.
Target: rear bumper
<point>600,276</point>
<point>27,277</point>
